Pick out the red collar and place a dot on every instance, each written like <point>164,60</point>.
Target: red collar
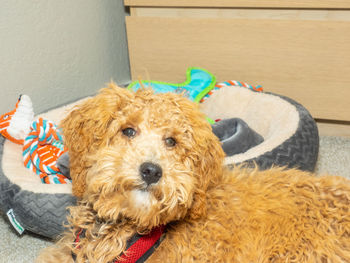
<point>139,247</point>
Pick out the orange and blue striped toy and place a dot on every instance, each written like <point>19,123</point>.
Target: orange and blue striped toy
<point>41,149</point>
<point>41,139</point>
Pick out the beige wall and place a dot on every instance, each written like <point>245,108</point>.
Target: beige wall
<point>58,51</point>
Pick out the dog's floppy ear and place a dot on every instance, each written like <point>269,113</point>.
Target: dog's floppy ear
<point>84,130</point>
<point>208,157</point>
<point>208,170</point>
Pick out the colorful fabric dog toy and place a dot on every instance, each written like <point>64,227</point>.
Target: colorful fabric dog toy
<point>198,83</point>
<point>41,139</point>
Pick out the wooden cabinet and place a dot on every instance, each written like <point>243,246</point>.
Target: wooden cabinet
<point>300,49</point>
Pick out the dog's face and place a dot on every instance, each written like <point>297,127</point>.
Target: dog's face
<point>148,158</point>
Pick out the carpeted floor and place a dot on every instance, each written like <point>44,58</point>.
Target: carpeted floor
<point>334,158</point>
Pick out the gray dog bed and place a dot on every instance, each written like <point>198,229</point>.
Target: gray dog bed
<point>289,131</point>
<point>287,136</point>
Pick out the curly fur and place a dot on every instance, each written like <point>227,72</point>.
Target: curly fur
<point>212,214</point>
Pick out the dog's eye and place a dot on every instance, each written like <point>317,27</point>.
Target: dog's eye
<point>170,142</point>
<point>129,132</point>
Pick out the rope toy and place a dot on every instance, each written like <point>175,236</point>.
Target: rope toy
<point>231,83</point>
<point>41,149</point>
<point>41,140</point>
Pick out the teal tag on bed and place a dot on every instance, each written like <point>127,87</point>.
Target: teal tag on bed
<point>11,216</point>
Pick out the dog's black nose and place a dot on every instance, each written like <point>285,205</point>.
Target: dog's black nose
<point>150,172</point>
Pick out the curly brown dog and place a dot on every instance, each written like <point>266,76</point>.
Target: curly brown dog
<point>140,161</point>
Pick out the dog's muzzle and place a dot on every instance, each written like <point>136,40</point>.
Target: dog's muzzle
<point>150,172</point>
